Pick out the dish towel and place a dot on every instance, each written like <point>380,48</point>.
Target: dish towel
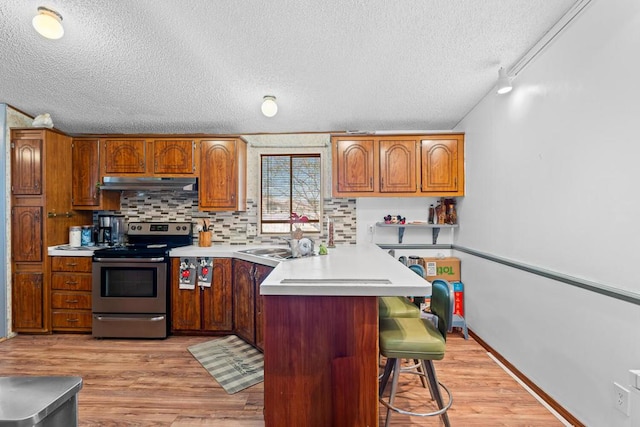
<point>187,273</point>
<point>205,270</point>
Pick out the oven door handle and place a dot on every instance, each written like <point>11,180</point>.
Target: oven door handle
<point>157,259</point>
<point>129,319</point>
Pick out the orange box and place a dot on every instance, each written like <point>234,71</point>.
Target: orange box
<point>442,268</point>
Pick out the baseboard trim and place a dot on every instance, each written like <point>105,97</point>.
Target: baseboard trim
<point>544,396</point>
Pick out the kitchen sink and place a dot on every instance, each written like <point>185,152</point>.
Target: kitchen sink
<point>277,252</point>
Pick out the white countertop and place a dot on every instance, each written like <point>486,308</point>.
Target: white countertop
<point>354,270</point>
<point>66,250</point>
<point>349,270</point>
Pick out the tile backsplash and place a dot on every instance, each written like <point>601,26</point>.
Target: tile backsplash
<point>229,228</point>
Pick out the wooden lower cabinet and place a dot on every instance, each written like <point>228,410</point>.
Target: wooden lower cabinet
<point>203,309</point>
<point>320,361</point>
<point>71,294</point>
<point>28,295</point>
<point>247,301</point>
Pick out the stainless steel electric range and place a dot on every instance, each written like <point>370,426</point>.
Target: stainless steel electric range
<point>131,282</point>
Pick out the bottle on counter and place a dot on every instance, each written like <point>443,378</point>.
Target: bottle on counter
<point>75,236</point>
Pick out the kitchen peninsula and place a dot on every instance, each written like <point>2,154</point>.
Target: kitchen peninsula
<point>321,335</point>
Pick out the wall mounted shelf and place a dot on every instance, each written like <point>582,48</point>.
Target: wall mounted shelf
<point>401,227</point>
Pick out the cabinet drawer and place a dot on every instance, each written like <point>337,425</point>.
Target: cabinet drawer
<point>71,300</point>
<point>71,319</point>
<point>71,263</point>
<point>71,281</point>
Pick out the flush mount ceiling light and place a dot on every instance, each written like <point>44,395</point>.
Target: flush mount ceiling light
<point>269,106</point>
<point>48,23</point>
<point>504,84</point>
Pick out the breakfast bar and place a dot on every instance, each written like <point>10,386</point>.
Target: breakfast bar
<point>321,335</point>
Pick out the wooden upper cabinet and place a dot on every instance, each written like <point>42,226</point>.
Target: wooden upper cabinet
<point>442,165</point>
<point>85,190</point>
<point>174,156</point>
<point>125,156</point>
<point>398,165</point>
<point>26,167</point>
<point>26,233</point>
<point>353,165</point>
<point>86,172</point>
<point>223,175</point>
<point>394,165</point>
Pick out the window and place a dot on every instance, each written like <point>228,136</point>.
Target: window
<point>290,193</point>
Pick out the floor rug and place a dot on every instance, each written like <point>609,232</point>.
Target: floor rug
<point>232,362</point>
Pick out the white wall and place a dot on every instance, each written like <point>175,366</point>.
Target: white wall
<point>552,181</point>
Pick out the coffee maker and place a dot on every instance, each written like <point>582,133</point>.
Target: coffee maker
<point>110,230</point>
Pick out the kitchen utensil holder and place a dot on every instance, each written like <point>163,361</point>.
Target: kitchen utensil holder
<point>204,238</point>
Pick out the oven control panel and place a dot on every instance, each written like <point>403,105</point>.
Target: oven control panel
<point>160,228</point>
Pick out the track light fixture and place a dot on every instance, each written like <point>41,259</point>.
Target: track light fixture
<point>269,106</point>
<point>48,23</point>
<point>504,84</point>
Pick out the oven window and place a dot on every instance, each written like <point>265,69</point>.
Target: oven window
<point>128,282</point>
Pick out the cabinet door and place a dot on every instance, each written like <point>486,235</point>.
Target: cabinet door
<point>26,233</point>
<point>125,156</point>
<point>441,166</point>
<point>262,271</point>
<point>354,163</point>
<point>86,175</point>
<point>216,302</point>
<point>218,174</point>
<point>398,166</point>
<point>174,156</point>
<point>185,303</point>
<point>243,300</point>
<point>28,300</point>
<point>26,166</point>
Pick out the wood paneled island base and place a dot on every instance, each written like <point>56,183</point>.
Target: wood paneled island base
<point>321,361</point>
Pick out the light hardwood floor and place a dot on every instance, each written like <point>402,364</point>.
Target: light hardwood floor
<point>159,383</point>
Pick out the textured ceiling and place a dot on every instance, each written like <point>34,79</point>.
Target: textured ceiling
<point>203,66</point>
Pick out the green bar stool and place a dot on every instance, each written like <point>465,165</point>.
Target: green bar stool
<point>396,307</point>
<point>417,338</point>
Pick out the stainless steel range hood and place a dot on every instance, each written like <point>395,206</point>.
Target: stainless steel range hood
<point>149,183</point>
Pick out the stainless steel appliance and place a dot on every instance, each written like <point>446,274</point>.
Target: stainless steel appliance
<point>111,230</point>
<point>131,282</point>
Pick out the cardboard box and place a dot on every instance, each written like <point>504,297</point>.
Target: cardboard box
<point>442,268</point>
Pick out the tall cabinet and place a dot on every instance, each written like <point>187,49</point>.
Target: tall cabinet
<point>40,217</point>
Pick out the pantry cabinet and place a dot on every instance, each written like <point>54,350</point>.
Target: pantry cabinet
<point>398,165</point>
<point>41,214</point>
<point>85,186</point>
<point>203,309</point>
<point>71,279</point>
<point>223,177</point>
<point>247,301</point>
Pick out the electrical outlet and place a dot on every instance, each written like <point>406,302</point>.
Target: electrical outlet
<point>251,230</point>
<point>621,401</point>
